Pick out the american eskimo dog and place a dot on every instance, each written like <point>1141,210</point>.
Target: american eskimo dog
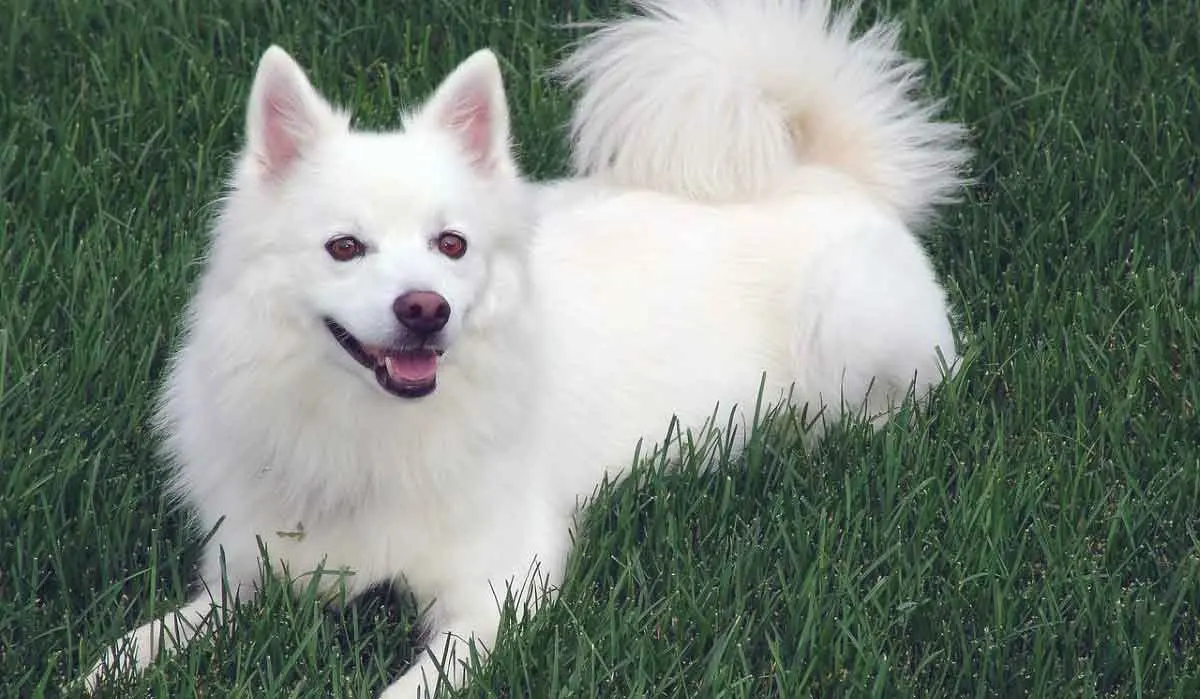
<point>419,363</point>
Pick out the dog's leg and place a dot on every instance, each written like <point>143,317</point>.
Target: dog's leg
<point>470,611</point>
<point>444,660</point>
<point>172,632</point>
<point>140,647</point>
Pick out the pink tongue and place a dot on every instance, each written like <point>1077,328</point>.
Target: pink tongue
<point>412,367</point>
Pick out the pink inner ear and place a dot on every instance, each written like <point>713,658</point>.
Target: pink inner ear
<point>280,142</point>
<point>470,116</point>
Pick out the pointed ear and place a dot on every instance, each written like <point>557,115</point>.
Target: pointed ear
<point>470,104</point>
<point>286,115</point>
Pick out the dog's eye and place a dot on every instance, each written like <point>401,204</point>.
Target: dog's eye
<point>451,244</point>
<point>345,248</point>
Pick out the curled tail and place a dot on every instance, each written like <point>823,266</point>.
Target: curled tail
<point>722,100</point>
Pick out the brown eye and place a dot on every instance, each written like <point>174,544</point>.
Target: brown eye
<point>451,244</point>
<point>345,248</point>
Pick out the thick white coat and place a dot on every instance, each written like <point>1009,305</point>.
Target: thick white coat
<point>751,177</point>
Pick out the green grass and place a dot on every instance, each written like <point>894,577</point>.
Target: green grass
<point>1035,533</point>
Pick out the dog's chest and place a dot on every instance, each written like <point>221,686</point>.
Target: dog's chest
<point>393,528</point>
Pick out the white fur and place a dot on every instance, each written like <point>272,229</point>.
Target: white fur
<point>728,231</point>
<point>750,87</point>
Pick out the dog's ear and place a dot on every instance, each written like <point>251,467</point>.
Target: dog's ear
<point>471,105</point>
<point>286,115</point>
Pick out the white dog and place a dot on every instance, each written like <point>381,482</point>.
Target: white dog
<point>403,362</point>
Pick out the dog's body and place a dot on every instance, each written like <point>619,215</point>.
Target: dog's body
<point>405,363</point>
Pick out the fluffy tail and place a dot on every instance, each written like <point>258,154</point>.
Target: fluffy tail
<point>721,101</point>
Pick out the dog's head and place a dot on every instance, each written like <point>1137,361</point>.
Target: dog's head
<point>385,249</point>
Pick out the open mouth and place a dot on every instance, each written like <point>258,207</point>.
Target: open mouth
<point>403,372</point>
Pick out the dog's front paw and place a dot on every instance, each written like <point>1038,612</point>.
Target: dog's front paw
<point>137,649</point>
<point>409,686</point>
<point>131,654</point>
<point>423,680</point>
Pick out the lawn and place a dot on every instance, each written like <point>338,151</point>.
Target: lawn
<point>1036,532</point>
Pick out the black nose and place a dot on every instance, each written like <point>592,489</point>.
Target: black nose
<point>422,311</point>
